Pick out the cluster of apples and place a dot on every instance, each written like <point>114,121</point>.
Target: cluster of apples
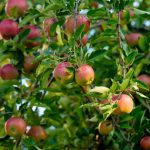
<point>64,73</point>
<point>16,127</point>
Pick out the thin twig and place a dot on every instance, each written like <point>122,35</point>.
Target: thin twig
<point>49,83</point>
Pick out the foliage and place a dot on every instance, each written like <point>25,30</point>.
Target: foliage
<point>70,113</point>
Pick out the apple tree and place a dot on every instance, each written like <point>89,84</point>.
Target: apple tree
<point>74,75</point>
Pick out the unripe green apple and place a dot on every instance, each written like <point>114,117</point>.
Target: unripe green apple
<point>8,28</point>
<point>38,133</point>
<point>105,127</point>
<point>16,8</point>
<point>80,20</point>
<point>64,73</point>
<point>84,75</point>
<point>15,127</point>
<point>9,72</point>
<point>145,143</point>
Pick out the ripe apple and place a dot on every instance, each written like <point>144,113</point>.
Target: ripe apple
<point>105,127</point>
<point>34,33</point>
<point>94,4</point>
<point>80,20</point>
<point>16,8</point>
<point>8,72</point>
<point>124,104</point>
<point>133,38</point>
<point>145,143</point>
<point>15,127</point>
<point>8,29</point>
<point>83,41</point>
<point>84,75</point>
<point>38,133</point>
<point>125,16</point>
<point>29,66</point>
<point>47,25</point>
<point>64,72</point>
<point>145,78</point>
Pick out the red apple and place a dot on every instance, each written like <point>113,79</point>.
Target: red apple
<point>124,104</point>
<point>29,66</point>
<point>83,41</point>
<point>84,75</point>
<point>8,28</point>
<point>105,127</point>
<point>94,4</point>
<point>8,72</point>
<point>15,127</point>
<point>34,33</point>
<point>133,38</point>
<point>38,133</point>
<point>64,72</point>
<point>145,78</point>
<point>47,25</point>
<point>16,8</point>
<point>145,143</point>
<point>80,20</point>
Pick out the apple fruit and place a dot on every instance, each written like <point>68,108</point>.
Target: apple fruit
<point>124,104</point>
<point>133,38</point>
<point>16,8</point>
<point>105,127</point>
<point>64,72</point>
<point>145,143</point>
<point>80,20</point>
<point>125,16</point>
<point>38,133</point>
<point>15,127</point>
<point>84,75</point>
<point>28,64</point>
<point>47,23</point>
<point>83,41</point>
<point>144,78</point>
<point>8,29</point>
<point>9,72</point>
<point>33,33</point>
<point>94,4</point>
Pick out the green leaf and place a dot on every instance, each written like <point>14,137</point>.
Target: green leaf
<point>130,58</point>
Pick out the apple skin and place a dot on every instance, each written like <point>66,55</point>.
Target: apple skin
<point>145,143</point>
<point>8,29</point>
<point>28,64</point>
<point>15,127</point>
<point>9,72</point>
<point>62,73</point>
<point>105,127</point>
<point>47,23</point>
<point>34,33</point>
<point>83,41</point>
<point>144,78</point>
<point>133,38</point>
<point>16,8</point>
<point>94,4</point>
<point>80,20</point>
<point>38,133</point>
<point>124,104</point>
<point>84,75</point>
